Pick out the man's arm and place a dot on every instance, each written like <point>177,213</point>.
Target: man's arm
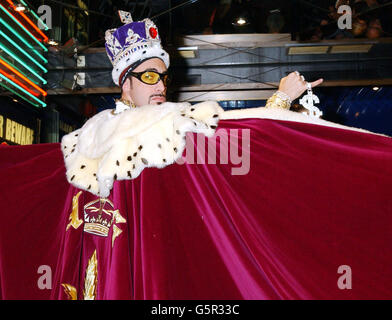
<point>290,88</point>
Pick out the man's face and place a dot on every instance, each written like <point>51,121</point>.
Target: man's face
<point>142,94</point>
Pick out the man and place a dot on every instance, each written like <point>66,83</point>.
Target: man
<point>194,232</point>
<point>97,154</point>
<point>143,76</point>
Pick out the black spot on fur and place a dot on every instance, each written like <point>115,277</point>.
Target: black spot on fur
<point>129,158</point>
<point>135,154</point>
<point>117,162</point>
<point>145,161</point>
<point>72,177</point>
<point>213,127</point>
<point>83,166</point>
<point>115,177</point>
<point>140,147</point>
<point>129,174</point>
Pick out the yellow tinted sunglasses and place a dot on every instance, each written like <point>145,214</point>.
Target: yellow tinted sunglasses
<point>151,77</point>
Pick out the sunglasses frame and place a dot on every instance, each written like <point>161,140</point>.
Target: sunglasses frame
<point>162,76</point>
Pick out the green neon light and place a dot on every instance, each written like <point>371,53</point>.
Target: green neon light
<point>23,28</point>
<point>18,94</point>
<point>12,65</point>
<point>35,15</point>
<point>24,52</point>
<point>22,89</point>
<point>9,52</point>
<point>23,40</point>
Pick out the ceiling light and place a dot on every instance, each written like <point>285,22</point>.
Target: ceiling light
<point>187,52</point>
<point>20,7</point>
<point>308,50</point>
<point>240,22</point>
<point>376,88</point>
<point>355,48</point>
<point>52,42</point>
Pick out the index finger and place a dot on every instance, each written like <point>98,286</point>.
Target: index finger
<point>316,83</point>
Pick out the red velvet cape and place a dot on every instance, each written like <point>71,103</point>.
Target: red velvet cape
<point>315,199</point>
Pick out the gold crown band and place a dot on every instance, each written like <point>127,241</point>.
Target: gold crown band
<point>96,229</point>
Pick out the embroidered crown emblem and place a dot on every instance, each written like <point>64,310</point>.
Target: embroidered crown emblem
<point>98,217</point>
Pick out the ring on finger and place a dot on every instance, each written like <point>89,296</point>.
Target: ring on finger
<point>297,73</point>
<point>303,78</point>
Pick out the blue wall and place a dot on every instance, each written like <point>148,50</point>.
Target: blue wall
<point>360,107</point>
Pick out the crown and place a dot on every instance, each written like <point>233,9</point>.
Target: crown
<point>132,43</point>
<point>98,217</point>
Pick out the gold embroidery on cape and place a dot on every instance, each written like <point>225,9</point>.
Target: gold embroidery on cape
<point>70,291</point>
<point>90,279</point>
<point>116,232</point>
<point>118,218</point>
<point>99,216</point>
<point>75,222</point>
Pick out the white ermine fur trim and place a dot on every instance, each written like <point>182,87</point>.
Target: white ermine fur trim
<point>283,114</point>
<point>152,51</point>
<point>119,146</point>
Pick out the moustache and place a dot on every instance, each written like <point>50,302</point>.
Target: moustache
<point>157,95</point>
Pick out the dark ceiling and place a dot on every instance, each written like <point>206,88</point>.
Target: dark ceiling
<point>87,20</point>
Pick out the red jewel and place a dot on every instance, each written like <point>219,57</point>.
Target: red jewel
<point>153,33</point>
